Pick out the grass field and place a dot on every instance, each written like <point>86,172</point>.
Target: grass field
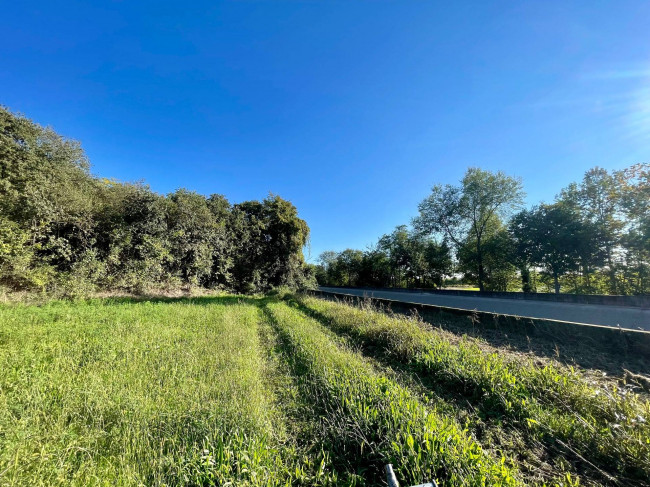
<point>268,392</point>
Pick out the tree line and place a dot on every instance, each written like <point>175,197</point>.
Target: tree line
<point>594,238</point>
<point>65,230</point>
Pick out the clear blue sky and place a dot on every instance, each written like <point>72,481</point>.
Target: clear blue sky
<point>350,109</point>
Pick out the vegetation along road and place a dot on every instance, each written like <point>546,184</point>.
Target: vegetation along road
<point>580,313</point>
<point>269,392</point>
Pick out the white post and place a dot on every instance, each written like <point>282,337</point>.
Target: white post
<point>390,476</point>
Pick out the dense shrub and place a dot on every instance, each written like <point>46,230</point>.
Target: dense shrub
<point>63,229</point>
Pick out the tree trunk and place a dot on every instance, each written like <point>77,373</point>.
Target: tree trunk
<point>613,288</point>
<point>556,283</point>
<point>525,279</point>
<point>479,256</point>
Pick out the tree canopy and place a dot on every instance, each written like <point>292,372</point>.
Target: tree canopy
<point>594,238</point>
<point>466,212</point>
<point>64,229</point>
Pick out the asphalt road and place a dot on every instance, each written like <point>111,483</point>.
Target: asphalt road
<point>593,314</point>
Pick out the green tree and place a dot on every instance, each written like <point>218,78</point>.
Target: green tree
<point>634,184</point>
<point>375,268</point>
<point>328,261</point>
<point>398,248</point>
<point>285,237</point>
<point>47,190</point>
<point>551,237</point>
<point>269,238</point>
<point>132,237</point>
<point>319,273</point>
<point>192,229</point>
<point>438,262</point>
<point>598,198</point>
<point>350,262</point>
<point>499,270</point>
<point>461,213</point>
<point>19,267</point>
<point>76,231</point>
<point>222,245</point>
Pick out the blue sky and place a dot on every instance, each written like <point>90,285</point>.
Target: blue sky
<point>351,110</point>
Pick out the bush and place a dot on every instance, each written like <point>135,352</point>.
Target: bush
<point>19,268</point>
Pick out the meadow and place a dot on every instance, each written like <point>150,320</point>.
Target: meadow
<point>264,391</point>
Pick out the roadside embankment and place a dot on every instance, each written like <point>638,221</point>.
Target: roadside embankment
<point>609,339</point>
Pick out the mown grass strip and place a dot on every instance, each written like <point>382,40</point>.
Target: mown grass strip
<point>605,428</point>
<point>376,421</point>
<point>294,411</point>
<point>147,393</point>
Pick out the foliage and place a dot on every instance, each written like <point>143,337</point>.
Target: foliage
<point>67,231</point>
<point>595,238</point>
<point>19,267</point>
<point>497,251</point>
<point>634,204</point>
<point>551,405</point>
<point>465,213</point>
<point>592,239</point>
<point>401,258</point>
<point>550,237</point>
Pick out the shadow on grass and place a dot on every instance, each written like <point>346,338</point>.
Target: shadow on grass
<point>450,392</point>
<point>578,351</point>
<point>313,415</point>
<point>531,450</point>
<point>449,397</point>
<point>571,350</point>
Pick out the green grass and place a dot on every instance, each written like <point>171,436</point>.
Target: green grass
<point>602,428</point>
<point>110,393</point>
<point>263,392</point>
<point>376,420</point>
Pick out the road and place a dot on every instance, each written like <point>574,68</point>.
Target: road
<point>593,314</point>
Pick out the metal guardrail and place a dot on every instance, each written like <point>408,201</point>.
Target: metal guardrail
<point>639,301</point>
<point>606,337</point>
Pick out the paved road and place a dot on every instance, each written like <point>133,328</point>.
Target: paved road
<point>593,314</point>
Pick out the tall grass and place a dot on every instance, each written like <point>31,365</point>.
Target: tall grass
<point>603,427</point>
<point>120,393</point>
<point>253,392</point>
<point>373,420</point>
